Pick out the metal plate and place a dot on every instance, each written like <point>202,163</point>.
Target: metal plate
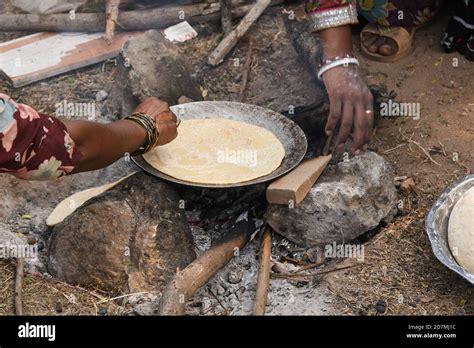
<point>437,225</point>
<point>289,133</point>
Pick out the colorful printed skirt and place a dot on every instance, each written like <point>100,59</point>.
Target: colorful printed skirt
<point>398,13</point>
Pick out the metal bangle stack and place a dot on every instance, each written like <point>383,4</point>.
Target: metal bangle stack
<point>149,124</point>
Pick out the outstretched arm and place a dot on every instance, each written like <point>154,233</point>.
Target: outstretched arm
<point>34,146</point>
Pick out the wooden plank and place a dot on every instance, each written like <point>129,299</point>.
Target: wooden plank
<point>22,41</point>
<point>43,55</point>
<point>295,186</point>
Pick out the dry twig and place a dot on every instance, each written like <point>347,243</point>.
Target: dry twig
<point>411,141</point>
<point>20,270</point>
<point>111,13</point>
<point>305,276</point>
<point>229,42</point>
<point>245,73</point>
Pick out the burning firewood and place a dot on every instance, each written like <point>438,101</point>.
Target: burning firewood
<point>186,282</point>
<point>263,282</point>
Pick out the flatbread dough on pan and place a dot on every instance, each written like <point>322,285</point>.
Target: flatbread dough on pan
<point>218,151</point>
<point>461,231</point>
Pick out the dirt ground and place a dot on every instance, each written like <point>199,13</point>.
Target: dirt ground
<point>399,266</point>
<point>402,268</point>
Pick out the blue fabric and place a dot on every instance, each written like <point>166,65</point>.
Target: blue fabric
<point>6,116</point>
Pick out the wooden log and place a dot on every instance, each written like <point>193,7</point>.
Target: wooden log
<point>156,18</point>
<point>229,42</point>
<point>263,280</point>
<point>20,269</point>
<point>226,13</point>
<point>186,282</point>
<point>111,13</point>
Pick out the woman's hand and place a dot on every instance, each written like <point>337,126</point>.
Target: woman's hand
<point>351,102</point>
<point>166,120</point>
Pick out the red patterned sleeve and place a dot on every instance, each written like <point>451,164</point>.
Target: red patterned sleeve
<point>331,13</point>
<point>34,146</point>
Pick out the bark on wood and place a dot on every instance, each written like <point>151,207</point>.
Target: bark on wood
<point>111,13</point>
<point>263,280</point>
<point>226,13</point>
<point>189,280</point>
<point>229,42</point>
<point>20,266</point>
<point>156,18</point>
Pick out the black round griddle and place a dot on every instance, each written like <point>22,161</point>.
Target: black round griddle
<point>289,133</point>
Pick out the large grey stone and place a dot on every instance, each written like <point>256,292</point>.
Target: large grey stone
<point>150,65</point>
<point>131,238</point>
<point>344,204</point>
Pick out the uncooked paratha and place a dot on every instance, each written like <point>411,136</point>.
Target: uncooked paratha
<point>461,231</point>
<point>72,203</point>
<point>218,151</point>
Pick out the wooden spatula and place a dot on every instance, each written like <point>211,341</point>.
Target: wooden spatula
<point>295,186</point>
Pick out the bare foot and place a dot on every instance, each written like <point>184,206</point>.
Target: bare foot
<point>382,45</point>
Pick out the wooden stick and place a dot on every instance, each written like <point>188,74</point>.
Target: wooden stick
<point>20,266</point>
<point>226,13</point>
<point>327,146</point>
<point>229,42</point>
<point>305,276</point>
<point>263,280</point>
<point>185,283</point>
<point>111,13</point>
<point>155,18</point>
<point>245,72</point>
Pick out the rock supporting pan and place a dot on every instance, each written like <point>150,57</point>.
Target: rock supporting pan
<point>437,225</point>
<point>289,133</point>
